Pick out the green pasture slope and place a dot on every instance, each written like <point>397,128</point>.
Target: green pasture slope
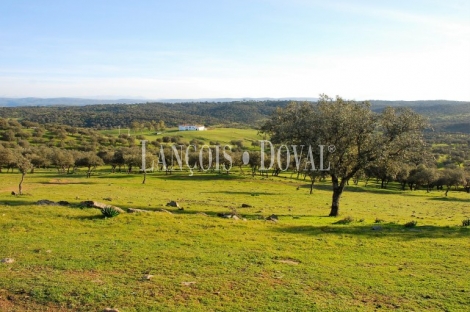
<point>73,259</point>
<point>220,135</point>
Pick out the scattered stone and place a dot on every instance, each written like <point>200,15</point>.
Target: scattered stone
<point>188,283</point>
<point>147,277</point>
<point>173,204</point>
<point>133,210</point>
<point>63,203</point>
<point>228,216</point>
<point>110,310</point>
<point>376,228</point>
<point>108,198</point>
<point>87,203</point>
<point>246,206</point>
<point>7,260</point>
<point>46,202</point>
<point>48,251</point>
<point>94,204</point>
<point>164,210</point>
<point>181,208</point>
<point>272,217</point>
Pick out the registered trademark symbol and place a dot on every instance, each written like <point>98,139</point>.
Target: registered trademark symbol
<point>331,148</point>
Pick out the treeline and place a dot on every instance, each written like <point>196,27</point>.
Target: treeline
<point>247,113</point>
<point>444,116</point>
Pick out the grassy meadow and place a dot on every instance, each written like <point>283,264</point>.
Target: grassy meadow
<point>220,135</point>
<point>74,259</point>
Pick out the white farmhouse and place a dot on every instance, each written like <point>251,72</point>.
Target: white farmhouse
<point>191,128</point>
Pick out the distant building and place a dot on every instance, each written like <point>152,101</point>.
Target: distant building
<point>191,128</point>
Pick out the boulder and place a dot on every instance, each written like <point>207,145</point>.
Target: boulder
<point>133,210</point>
<point>46,202</point>
<point>147,277</point>
<point>272,217</point>
<point>173,204</point>
<point>228,216</point>
<point>94,204</point>
<point>164,210</point>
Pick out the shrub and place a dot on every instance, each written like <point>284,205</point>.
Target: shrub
<point>109,212</point>
<point>377,220</point>
<point>411,224</point>
<point>466,222</point>
<point>346,220</point>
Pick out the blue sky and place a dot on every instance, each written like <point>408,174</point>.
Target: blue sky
<point>357,49</point>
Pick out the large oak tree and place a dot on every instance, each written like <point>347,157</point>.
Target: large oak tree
<point>356,136</point>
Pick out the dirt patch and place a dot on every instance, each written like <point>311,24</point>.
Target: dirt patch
<point>21,302</point>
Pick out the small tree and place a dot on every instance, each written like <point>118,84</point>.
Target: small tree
<point>89,160</point>
<point>24,165</point>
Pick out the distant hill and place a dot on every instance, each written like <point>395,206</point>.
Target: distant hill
<point>66,101</point>
<point>33,101</point>
<point>423,103</point>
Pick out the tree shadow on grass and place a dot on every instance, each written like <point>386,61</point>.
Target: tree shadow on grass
<point>93,217</point>
<point>68,183</point>
<point>17,202</point>
<point>241,193</point>
<point>451,199</point>
<point>381,230</point>
<point>198,177</point>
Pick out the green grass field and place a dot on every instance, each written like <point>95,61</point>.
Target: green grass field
<point>74,259</point>
<point>221,135</point>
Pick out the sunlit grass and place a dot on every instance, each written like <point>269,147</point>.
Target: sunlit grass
<point>76,259</point>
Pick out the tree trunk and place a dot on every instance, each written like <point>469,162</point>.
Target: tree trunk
<point>337,191</point>
<point>20,186</point>
<point>145,177</point>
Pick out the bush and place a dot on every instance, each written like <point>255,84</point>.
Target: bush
<point>411,224</point>
<point>377,220</point>
<point>109,212</point>
<point>346,220</point>
<point>466,222</point>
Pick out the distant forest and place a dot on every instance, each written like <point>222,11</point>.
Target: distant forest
<point>445,116</point>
